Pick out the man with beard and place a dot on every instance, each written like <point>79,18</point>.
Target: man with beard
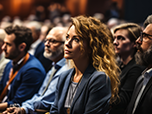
<point>42,101</point>
<point>141,101</point>
<point>24,74</point>
<point>37,46</point>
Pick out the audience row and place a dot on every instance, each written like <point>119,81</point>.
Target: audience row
<point>83,67</point>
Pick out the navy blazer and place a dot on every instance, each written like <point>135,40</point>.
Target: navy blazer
<point>26,83</point>
<point>92,96</point>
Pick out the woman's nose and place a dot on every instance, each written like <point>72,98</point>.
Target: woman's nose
<point>115,42</point>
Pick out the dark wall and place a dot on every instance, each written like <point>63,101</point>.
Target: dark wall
<point>137,10</point>
<point>24,8</point>
<point>21,8</point>
<point>98,6</point>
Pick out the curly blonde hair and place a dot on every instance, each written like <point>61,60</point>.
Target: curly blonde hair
<point>99,39</point>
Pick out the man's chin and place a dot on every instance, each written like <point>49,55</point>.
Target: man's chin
<point>139,58</point>
<point>144,58</point>
<point>7,57</point>
<point>47,55</point>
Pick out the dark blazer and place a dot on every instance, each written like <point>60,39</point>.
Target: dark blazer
<point>128,77</point>
<point>92,96</point>
<point>26,83</point>
<point>145,103</point>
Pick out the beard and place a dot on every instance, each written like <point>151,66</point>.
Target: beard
<point>144,58</point>
<point>53,54</point>
<point>12,55</point>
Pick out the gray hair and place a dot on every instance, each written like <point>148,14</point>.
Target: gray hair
<point>148,21</point>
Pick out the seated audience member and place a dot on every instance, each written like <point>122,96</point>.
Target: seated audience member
<point>43,100</point>
<point>3,60</point>
<point>125,36</point>
<point>141,100</point>
<point>35,28</point>
<point>24,74</point>
<point>37,47</point>
<point>92,83</point>
<point>44,31</point>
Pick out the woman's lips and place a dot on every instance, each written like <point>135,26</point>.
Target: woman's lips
<point>67,51</point>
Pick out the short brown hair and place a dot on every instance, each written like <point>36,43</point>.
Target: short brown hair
<point>22,34</point>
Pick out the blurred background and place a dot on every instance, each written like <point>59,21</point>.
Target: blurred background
<point>42,10</point>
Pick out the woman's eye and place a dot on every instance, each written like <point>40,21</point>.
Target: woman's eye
<point>76,39</point>
<point>67,37</point>
<point>120,38</point>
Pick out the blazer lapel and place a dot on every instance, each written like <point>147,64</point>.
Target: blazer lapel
<point>88,72</point>
<point>66,87</point>
<point>146,89</point>
<point>137,89</point>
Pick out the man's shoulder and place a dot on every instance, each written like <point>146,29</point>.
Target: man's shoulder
<point>33,63</point>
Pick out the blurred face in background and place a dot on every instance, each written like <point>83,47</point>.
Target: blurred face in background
<point>123,45</point>
<point>146,39</point>
<point>1,44</point>
<point>9,47</point>
<point>144,46</point>
<point>53,45</point>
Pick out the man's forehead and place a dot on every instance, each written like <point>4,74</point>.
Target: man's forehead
<point>50,36</point>
<point>54,34</point>
<point>148,29</point>
<point>10,36</point>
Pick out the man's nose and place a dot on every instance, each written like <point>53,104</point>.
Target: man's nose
<point>138,41</point>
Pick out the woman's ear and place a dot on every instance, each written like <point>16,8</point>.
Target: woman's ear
<point>22,46</point>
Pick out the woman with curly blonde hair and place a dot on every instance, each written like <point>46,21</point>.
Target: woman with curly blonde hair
<point>93,81</point>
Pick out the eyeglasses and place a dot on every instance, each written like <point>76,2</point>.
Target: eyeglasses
<point>145,37</point>
<point>53,41</point>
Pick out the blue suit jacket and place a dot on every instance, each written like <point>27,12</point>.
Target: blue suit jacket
<point>45,101</point>
<point>26,83</point>
<point>92,96</point>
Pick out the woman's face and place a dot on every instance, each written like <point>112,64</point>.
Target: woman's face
<point>122,43</point>
<point>72,47</point>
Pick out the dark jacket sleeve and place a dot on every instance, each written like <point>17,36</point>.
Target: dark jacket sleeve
<point>126,89</point>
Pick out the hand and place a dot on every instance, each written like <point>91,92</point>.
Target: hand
<point>12,110</point>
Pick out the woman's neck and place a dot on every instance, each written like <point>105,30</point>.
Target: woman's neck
<point>125,60</point>
<point>80,68</point>
<point>126,57</point>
